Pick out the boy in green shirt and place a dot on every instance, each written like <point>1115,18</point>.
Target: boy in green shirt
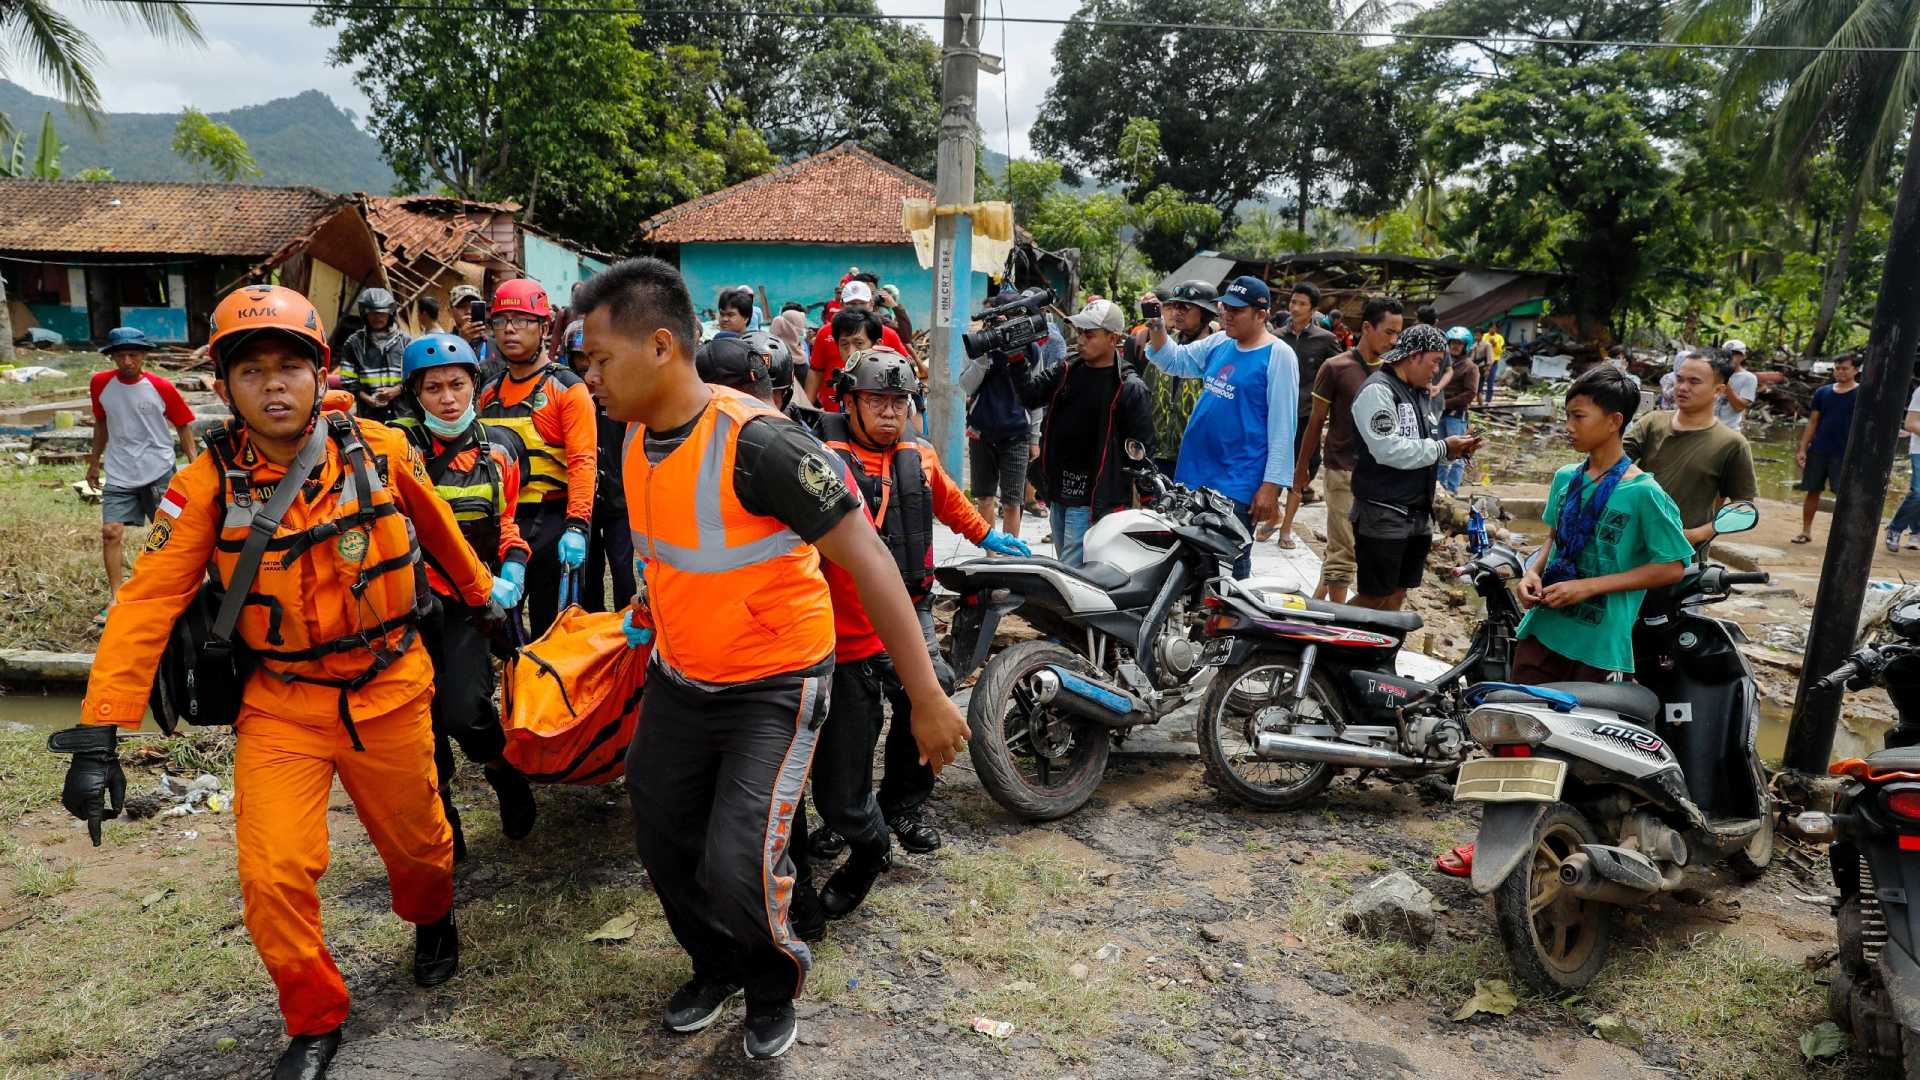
<point>1615,534</point>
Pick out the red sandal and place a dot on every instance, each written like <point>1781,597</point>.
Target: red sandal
<point>1457,863</point>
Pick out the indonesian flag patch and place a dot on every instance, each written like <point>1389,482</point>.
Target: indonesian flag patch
<point>172,503</point>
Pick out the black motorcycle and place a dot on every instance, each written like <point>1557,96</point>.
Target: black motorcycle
<point>1875,829</point>
<point>1308,688</point>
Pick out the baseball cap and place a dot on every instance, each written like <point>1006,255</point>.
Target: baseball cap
<point>1100,315</point>
<point>1734,345</point>
<point>1247,291</point>
<point>854,292</point>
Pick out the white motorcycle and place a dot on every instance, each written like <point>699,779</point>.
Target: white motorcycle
<point>1121,642</point>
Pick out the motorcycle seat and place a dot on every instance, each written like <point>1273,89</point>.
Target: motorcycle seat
<point>1103,576</point>
<point>1631,700</point>
<point>1898,759</point>
<point>1396,623</point>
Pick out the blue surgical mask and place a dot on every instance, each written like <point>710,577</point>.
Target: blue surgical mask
<point>448,429</point>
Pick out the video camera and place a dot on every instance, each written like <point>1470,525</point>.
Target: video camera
<point>1009,326</point>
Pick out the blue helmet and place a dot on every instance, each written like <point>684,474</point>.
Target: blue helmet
<point>436,350</point>
<point>1462,335</point>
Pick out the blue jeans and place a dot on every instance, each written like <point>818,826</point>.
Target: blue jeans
<point>1452,472</point>
<point>1907,517</point>
<point>1070,525</point>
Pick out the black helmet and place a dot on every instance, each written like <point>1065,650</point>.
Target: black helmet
<point>779,357</point>
<point>375,299</point>
<point>730,361</point>
<point>877,371</point>
<point>1198,292</point>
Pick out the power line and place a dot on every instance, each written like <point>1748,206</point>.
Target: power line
<point>1032,20</point>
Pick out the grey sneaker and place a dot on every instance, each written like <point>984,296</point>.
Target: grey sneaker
<point>697,1005</point>
<point>770,1030</point>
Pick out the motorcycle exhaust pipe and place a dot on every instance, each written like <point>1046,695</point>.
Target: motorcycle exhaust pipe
<point>1273,746</point>
<point>1074,693</point>
<point>1578,877</point>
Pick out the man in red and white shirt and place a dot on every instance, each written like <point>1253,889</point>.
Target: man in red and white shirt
<point>825,359</point>
<point>136,417</point>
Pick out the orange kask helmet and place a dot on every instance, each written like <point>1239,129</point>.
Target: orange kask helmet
<point>522,296</point>
<point>256,309</point>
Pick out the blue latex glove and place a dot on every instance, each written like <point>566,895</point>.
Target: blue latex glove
<point>510,584</point>
<point>573,548</point>
<point>1001,544</point>
<point>636,635</point>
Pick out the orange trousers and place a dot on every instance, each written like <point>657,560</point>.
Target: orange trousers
<point>282,777</point>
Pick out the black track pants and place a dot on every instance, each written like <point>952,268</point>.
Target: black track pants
<point>715,777</point>
<point>843,764</point>
<point>908,784</point>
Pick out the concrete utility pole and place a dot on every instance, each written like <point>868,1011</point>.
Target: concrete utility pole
<point>953,232</point>
<point>1862,494</point>
<point>6,326</point>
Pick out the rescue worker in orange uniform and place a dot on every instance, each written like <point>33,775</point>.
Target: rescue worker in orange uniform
<point>475,469</point>
<point>905,491</point>
<point>548,407</point>
<point>342,686</point>
<point>732,507</point>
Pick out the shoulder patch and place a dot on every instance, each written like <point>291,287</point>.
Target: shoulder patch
<point>1382,423</point>
<point>417,465</point>
<point>821,480</point>
<point>161,532</point>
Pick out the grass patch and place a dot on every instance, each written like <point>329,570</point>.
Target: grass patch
<point>77,365</point>
<point>51,580</point>
<point>29,776</point>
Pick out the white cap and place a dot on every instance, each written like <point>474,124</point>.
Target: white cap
<point>856,292</point>
<point>1100,315</point>
<point>1734,345</point>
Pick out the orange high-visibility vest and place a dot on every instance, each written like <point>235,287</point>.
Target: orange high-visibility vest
<point>735,596</point>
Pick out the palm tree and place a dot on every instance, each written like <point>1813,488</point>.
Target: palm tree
<point>64,55</point>
<point>1858,103</point>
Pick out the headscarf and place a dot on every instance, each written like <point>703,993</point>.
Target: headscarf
<point>1416,339</point>
<point>791,327</point>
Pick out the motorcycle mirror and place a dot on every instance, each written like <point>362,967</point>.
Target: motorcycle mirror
<point>1136,450</point>
<point>1735,518</point>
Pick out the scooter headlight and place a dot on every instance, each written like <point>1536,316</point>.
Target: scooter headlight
<point>1491,725</point>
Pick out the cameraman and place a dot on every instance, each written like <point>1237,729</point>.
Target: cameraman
<point>1000,430</point>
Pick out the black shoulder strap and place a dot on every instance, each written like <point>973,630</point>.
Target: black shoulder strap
<point>266,522</point>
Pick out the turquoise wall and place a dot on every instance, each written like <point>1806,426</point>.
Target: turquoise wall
<point>159,323</point>
<point>69,322</point>
<point>809,273</point>
<point>556,268</point>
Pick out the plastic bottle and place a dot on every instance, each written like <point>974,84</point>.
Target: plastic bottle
<point>1476,531</point>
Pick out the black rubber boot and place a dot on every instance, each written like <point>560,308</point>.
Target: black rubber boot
<point>517,808</point>
<point>436,951</point>
<point>915,835</point>
<point>849,885</point>
<point>453,822</point>
<point>825,844</point>
<point>808,917</point>
<point>307,1056</point>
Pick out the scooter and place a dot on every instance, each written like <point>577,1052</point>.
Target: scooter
<point>1308,688</point>
<point>1875,830</point>
<point>1120,644</point>
<point>1600,795</point>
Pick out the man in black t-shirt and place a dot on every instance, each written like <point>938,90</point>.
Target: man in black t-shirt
<point>1094,404</point>
<point>737,684</point>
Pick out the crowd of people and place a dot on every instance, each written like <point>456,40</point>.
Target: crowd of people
<point>759,502</point>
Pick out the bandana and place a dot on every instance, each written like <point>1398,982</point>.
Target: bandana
<point>1413,340</point>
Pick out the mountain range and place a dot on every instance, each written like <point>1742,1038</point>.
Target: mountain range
<point>305,139</point>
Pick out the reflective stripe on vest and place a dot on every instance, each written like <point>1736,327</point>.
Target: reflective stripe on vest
<point>546,462</point>
<point>734,596</point>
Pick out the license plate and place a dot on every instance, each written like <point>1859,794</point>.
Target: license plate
<point>1510,780</point>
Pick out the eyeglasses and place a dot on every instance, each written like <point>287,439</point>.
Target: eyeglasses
<point>885,405</point>
<point>514,322</point>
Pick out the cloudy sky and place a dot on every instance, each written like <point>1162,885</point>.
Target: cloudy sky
<point>258,54</point>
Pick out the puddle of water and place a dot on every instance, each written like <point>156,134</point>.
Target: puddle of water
<point>37,710</point>
<point>1772,736</point>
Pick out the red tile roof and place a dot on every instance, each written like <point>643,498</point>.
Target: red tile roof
<point>410,226</point>
<point>156,218</point>
<point>843,196</point>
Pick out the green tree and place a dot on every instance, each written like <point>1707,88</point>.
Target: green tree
<point>489,105</point>
<point>1811,100</point>
<point>1262,231</point>
<point>94,174</point>
<point>213,149</point>
<point>45,162</point>
<point>807,85</point>
<point>63,54</point>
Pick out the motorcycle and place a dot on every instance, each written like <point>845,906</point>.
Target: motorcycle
<point>1600,795</point>
<point>1875,830</point>
<point>1120,643</point>
<point>1308,688</point>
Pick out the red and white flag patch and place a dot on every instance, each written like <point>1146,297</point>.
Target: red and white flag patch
<point>173,503</point>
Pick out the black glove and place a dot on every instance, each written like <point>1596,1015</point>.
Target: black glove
<point>95,788</point>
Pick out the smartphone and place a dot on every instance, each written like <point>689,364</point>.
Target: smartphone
<point>477,311</point>
<point>1150,309</point>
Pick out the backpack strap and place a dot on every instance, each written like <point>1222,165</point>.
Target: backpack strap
<point>266,522</point>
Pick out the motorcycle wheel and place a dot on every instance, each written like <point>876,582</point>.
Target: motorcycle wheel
<point>1554,940</point>
<point>1225,731</point>
<point>1752,861</point>
<point>1039,763</point>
